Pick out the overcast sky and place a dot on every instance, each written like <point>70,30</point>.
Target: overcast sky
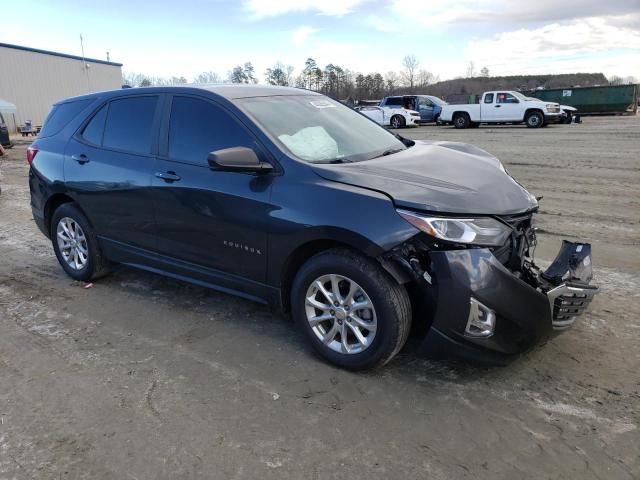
<point>166,38</point>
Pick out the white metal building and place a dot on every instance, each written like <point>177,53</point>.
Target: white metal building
<point>34,79</point>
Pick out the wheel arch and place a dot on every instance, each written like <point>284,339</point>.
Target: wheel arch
<point>531,110</point>
<point>54,202</point>
<point>332,238</point>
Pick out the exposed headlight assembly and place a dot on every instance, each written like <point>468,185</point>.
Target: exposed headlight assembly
<point>483,231</point>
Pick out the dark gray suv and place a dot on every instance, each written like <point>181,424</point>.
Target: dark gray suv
<point>287,197</point>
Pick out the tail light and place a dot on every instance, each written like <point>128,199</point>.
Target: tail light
<point>31,154</point>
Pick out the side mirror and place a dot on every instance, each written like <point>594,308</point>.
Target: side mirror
<point>237,159</point>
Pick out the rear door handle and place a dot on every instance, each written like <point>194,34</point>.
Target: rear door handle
<point>168,176</point>
<point>81,159</point>
<point>498,106</point>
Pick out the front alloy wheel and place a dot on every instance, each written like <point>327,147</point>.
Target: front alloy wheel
<point>354,314</point>
<point>341,314</point>
<point>397,121</point>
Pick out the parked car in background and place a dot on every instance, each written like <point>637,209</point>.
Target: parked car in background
<point>568,113</point>
<point>428,106</point>
<point>391,117</point>
<point>284,196</point>
<point>502,107</point>
<point>4,132</point>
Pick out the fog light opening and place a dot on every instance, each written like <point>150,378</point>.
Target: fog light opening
<point>482,320</point>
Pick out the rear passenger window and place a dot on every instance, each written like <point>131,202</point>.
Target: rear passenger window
<point>129,124</point>
<point>393,101</point>
<point>488,98</point>
<point>198,127</point>
<point>61,114</point>
<point>93,131</point>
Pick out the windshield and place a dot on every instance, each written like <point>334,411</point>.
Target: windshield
<point>519,96</point>
<point>317,129</point>
<point>437,100</point>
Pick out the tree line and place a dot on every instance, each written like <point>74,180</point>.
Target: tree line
<point>333,80</point>
<point>343,83</point>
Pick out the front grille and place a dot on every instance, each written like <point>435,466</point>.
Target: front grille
<point>569,301</point>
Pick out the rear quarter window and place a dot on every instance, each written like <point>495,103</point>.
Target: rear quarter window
<point>94,130</point>
<point>60,116</point>
<point>393,101</point>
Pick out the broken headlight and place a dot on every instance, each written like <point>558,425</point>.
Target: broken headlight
<point>484,231</point>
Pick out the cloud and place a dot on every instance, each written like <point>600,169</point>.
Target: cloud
<point>590,44</point>
<point>585,36</point>
<point>271,8</point>
<point>377,23</point>
<point>300,35</point>
<point>442,13</point>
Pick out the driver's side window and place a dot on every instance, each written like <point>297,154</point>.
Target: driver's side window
<point>504,97</point>
<point>198,127</point>
<point>425,102</point>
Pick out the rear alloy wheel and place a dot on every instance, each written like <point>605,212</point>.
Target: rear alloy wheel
<point>397,121</point>
<point>75,244</point>
<point>461,120</point>
<point>351,311</point>
<point>72,243</point>
<point>534,120</point>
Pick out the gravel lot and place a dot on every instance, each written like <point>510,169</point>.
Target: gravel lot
<point>143,377</point>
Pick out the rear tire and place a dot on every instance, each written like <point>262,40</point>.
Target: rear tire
<point>534,119</point>
<point>324,306</point>
<point>75,244</point>
<point>461,120</point>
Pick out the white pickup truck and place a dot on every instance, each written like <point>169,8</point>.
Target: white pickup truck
<point>502,107</point>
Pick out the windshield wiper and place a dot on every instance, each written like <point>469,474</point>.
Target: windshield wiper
<point>334,161</point>
<point>389,152</point>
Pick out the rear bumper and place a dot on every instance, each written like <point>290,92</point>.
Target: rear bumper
<point>38,217</point>
<point>471,286</point>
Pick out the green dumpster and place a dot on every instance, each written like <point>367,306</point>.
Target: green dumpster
<point>594,100</point>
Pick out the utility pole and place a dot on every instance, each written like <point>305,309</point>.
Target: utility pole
<point>85,66</point>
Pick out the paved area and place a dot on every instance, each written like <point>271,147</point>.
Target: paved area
<point>141,377</point>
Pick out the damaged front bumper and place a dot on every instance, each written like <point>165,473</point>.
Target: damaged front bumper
<point>485,312</point>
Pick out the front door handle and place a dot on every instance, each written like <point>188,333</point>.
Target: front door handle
<point>81,159</point>
<point>168,176</point>
<point>498,106</point>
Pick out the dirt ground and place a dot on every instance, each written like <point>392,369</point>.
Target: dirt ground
<point>141,377</point>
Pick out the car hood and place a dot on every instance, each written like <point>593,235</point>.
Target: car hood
<point>443,177</point>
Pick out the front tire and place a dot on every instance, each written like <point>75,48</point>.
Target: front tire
<point>75,244</point>
<point>351,311</point>
<point>398,121</point>
<point>534,120</point>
